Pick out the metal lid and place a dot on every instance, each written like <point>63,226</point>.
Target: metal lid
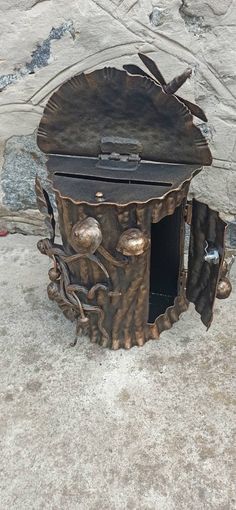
<point>112,103</point>
<point>83,180</point>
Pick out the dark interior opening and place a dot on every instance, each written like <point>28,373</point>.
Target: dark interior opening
<point>115,180</point>
<point>165,263</point>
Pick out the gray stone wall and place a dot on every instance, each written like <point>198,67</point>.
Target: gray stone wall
<point>45,42</point>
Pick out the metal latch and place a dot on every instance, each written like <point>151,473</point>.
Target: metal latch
<point>212,255</point>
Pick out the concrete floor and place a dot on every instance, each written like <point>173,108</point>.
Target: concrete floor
<point>86,428</point>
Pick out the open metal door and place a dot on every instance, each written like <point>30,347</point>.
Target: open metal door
<point>206,254</point>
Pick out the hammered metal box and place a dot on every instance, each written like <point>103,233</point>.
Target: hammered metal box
<point>122,149</point>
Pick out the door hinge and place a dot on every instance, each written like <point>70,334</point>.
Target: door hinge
<point>188,213</point>
<point>119,149</point>
<point>183,279</point>
<point>115,156</point>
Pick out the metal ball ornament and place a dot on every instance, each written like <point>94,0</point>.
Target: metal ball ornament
<point>54,274</point>
<point>86,236</point>
<point>53,290</point>
<point>224,288</point>
<point>133,242</point>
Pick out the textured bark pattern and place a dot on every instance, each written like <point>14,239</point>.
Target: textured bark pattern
<point>113,289</point>
<point>125,305</point>
<point>207,229</point>
<point>171,315</point>
<point>107,290</point>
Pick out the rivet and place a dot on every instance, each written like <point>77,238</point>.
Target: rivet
<point>99,196</point>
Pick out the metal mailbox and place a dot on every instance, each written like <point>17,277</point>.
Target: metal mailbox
<point>122,149</point>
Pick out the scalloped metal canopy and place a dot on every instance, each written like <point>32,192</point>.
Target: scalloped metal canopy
<point>110,102</point>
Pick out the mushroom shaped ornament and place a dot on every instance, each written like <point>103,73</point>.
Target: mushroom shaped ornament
<point>86,236</point>
<point>122,149</point>
<point>224,287</point>
<point>133,242</point>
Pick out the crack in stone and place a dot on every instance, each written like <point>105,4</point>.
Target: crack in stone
<point>37,2</point>
<point>40,56</point>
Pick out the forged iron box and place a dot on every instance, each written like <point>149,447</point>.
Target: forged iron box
<point>122,149</point>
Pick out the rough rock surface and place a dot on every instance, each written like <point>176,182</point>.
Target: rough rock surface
<point>45,42</point>
<point>22,161</point>
<point>91,429</point>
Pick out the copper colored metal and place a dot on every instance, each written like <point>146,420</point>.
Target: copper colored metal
<point>176,83</point>
<point>110,285</point>
<point>224,287</point>
<point>133,242</point>
<point>203,276</point>
<point>86,236</point>
<point>122,150</point>
<point>108,101</point>
<point>156,74</point>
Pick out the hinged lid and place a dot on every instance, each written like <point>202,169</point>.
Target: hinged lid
<point>112,103</point>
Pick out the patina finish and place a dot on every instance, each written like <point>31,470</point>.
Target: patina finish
<point>122,149</point>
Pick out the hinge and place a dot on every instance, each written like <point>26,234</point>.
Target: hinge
<point>115,156</point>
<point>183,278</point>
<point>188,213</point>
<point>118,149</point>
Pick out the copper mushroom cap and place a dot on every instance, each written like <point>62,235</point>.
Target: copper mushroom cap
<point>133,242</point>
<point>224,288</point>
<point>86,236</point>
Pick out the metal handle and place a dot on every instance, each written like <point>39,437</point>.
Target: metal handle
<point>212,255</point>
